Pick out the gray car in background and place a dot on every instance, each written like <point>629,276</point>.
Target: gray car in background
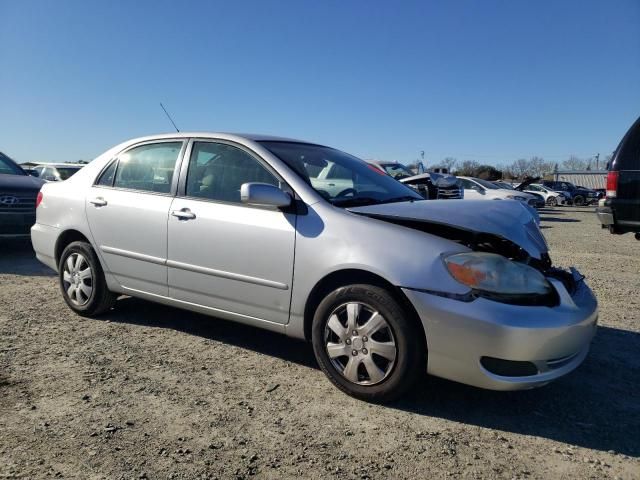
<point>384,284</point>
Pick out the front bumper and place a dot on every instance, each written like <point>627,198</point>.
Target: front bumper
<point>461,334</point>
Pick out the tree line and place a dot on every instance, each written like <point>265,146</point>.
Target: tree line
<point>519,169</point>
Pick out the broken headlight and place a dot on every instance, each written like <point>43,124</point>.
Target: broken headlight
<point>495,277</point>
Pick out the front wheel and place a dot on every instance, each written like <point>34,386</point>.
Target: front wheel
<point>366,343</point>
<point>578,200</point>
<point>553,201</point>
<point>82,281</point>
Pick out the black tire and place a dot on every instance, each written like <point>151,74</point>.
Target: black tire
<point>100,299</point>
<point>552,201</point>
<point>578,200</point>
<point>409,365</point>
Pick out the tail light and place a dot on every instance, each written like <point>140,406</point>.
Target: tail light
<point>612,184</point>
<point>38,199</point>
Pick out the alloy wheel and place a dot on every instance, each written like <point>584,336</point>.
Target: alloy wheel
<point>360,343</point>
<point>77,279</point>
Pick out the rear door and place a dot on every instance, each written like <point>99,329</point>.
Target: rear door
<point>223,254</point>
<point>127,210</point>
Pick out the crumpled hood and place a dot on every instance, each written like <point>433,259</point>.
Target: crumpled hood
<point>438,179</point>
<point>508,219</point>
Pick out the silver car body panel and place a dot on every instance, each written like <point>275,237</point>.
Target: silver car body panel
<point>508,219</point>
<point>259,265</point>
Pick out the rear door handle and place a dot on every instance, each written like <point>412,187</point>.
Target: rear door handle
<point>98,202</point>
<point>184,214</point>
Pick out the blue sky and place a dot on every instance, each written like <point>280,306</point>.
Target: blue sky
<point>484,80</point>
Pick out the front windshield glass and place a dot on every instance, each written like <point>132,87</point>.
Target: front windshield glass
<point>7,167</point>
<point>340,178</point>
<point>397,170</point>
<point>486,184</point>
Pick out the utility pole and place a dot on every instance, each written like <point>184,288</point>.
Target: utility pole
<point>597,161</point>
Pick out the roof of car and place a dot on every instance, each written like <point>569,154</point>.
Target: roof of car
<point>256,137</point>
<point>62,165</point>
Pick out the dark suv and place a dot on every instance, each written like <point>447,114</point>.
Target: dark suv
<point>18,193</point>
<point>577,196</point>
<point>620,210</point>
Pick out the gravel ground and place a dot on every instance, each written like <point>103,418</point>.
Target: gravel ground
<point>153,392</point>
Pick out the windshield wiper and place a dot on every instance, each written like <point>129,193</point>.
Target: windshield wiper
<point>405,198</point>
<point>355,201</point>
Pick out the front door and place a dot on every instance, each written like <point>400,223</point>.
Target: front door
<point>224,254</point>
<point>127,210</point>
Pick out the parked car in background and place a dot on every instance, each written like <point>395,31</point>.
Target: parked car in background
<point>478,189</point>
<point>620,210</point>
<point>575,195</point>
<point>551,198</point>
<point>432,186</point>
<point>18,193</point>
<point>241,231</point>
<point>56,172</point>
<point>530,186</point>
<point>539,199</point>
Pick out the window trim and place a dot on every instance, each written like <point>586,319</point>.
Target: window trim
<point>116,159</point>
<point>186,160</point>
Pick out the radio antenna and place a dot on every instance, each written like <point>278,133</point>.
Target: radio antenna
<point>169,117</point>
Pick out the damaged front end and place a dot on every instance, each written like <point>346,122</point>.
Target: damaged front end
<point>509,252</point>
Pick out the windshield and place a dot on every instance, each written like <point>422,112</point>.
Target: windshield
<point>340,178</point>
<point>504,185</point>
<point>7,166</point>
<point>397,170</point>
<point>66,172</point>
<point>486,184</point>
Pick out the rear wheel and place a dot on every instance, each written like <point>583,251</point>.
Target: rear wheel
<point>366,343</point>
<point>82,281</point>
<point>578,200</point>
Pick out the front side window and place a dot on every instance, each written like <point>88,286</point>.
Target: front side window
<point>148,167</point>
<point>359,182</point>
<point>486,184</point>
<point>397,170</point>
<point>468,184</point>
<point>217,171</point>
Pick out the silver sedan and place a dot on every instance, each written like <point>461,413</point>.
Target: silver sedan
<point>385,285</point>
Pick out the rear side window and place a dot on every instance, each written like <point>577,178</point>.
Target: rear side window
<point>106,179</point>
<point>217,171</point>
<point>627,155</point>
<point>148,167</point>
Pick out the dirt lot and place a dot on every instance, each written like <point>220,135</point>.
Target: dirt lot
<point>153,392</point>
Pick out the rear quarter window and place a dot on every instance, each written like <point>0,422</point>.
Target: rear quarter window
<point>627,155</point>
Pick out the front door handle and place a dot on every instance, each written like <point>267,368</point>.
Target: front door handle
<point>98,202</point>
<point>184,214</point>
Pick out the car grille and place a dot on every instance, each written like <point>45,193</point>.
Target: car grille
<point>24,203</point>
<point>449,193</point>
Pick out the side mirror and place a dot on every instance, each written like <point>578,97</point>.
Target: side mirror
<point>264,194</point>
